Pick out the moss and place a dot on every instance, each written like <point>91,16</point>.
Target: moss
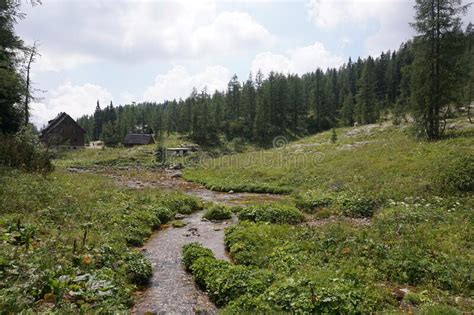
<point>178,223</point>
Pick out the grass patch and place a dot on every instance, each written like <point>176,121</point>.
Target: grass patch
<point>273,213</point>
<point>218,213</point>
<point>350,204</point>
<point>384,161</point>
<point>418,243</point>
<point>223,281</point>
<point>66,240</point>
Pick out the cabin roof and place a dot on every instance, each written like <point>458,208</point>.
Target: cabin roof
<point>138,138</point>
<point>53,123</point>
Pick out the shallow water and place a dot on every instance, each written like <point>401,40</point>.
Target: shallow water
<point>172,290</point>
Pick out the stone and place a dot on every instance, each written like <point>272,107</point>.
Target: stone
<point>405,290</point>
<point>179,216</point>
<point>231,191</point>
<point>176,175</point>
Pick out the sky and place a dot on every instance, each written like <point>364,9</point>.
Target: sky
<point>151,50</point>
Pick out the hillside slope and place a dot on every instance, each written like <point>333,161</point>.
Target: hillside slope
<point>383,160</point>
<point>388,226</point>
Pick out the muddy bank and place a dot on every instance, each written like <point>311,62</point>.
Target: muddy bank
<point>171,180</point>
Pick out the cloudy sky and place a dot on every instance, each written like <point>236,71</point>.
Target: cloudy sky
<point>152,50</point>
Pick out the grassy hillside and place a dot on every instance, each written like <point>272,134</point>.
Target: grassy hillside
<point>381,160</point>
<point>388,227</point>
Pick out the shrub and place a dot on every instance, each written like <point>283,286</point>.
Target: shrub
<point>138,268</point>
<point>23,151</point>
<point>439,310</point>
<point>356,206</point>
<point>180,203</point>
<point>413,298</point>
<point>147,216</point>
<point>312,200</point>
<point>456,176</point>
<point>236,209</point>
<point>204,268</point>
<point>252,244</point>
<point>323,293</point>
<point>231,282</point>
<point>136,235</point>
<point>248,304</point>
<point>249,188</point>
<point>217,213</point>
<point>164,214</point>
<point>278,214</point>
<point>224,281</point>
<point>191,252</point>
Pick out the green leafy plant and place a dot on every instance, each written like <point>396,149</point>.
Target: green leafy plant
<point>138,268</point>
<point>280,214</point>
<point>181,203</point>
<point>312,200</point>
<point>456,176</point>
<point>223,281</point>
<point>356,206</point>
<point>193,251</point>
<point>217,213</point>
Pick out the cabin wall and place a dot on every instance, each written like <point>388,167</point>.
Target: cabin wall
<point>67,133</point>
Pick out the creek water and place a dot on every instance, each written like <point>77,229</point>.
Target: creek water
<point>172,290</point>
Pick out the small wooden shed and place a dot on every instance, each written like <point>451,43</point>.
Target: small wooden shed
<point>133,139</point>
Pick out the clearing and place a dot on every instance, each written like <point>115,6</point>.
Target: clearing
<point>378,221</point>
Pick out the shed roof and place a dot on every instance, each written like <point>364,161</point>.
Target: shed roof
<point>138,138</point>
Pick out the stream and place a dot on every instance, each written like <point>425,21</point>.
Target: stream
<point>172,290</point>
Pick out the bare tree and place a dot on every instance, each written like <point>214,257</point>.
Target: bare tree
<point>31,54</point>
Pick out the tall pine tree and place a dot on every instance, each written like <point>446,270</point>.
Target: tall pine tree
<point>437,68</point>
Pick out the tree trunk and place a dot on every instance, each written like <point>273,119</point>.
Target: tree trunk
<point>26,106</point>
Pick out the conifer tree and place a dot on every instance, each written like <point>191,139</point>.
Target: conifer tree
<point>469,95</point>
<point>436,68</point>
<point>366,99</point>
<point>97,122</point>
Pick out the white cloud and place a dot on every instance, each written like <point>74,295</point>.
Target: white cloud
<point>299,60</point>
<point>76,100</point>
<point>56,62</point>
<point>267,62</point>
<point>392,18</point>
<point>231,31</point>
<point>178,83</point>
<point>137,31</point>
<point>126,98</point>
